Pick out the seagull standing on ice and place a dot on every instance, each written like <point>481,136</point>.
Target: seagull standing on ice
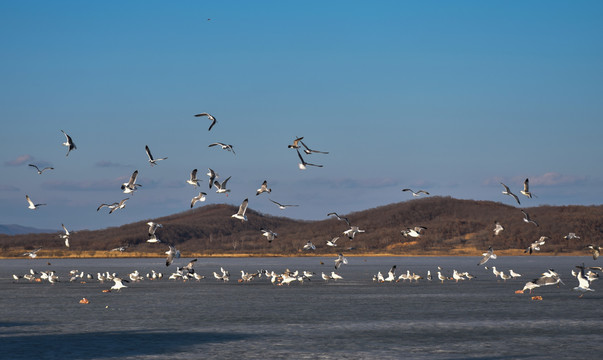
<point>241,213</point>
<point>263,188</point>
<point>583,283</point>
<point>131,186</point>
<point>508,192</point>
<point>416,193</point>
<point>31,204</point>
<point>487,256</point>
<point>152,160</point>
<point>210,117</point>
<point>41,171</point>
<point>69,143</point>
<point>118,283</point>
<point>200,197</point>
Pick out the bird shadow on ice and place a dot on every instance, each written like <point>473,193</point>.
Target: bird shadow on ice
<point>98,345</point>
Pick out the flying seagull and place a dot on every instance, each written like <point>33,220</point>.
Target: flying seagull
<point>526,189</point>
<point>416,193</point>
<point>295,144</point>
<point>212,176</point>
<point>69,143</point>
<point>352,231</point>
<point>340,260</point>
<point>303,163</point>
<point>309,151</point>
<point>571,236</point>
<point>241,213</point>
<point>65,236</point>
<point>223,146</point>
<point>31,204</point>
<point>171,254</point>
<point>263,188</point>
<point>32,254</point>
<point>210,117</point>
<point>153,227</point>
<point>535,246</point>
<point>583,283</point>
<point>526,218</point>
<point>281,206</point>
<point>200,197</point>
<point>413,232</point>
<point>193,178</point>
<point>131,186</point>
<point>497,228</point>
<point>309,246</point>
<point>487,256</point>
<point>152,160</point>
<point>269,234</point>
<point>221,187</point>
<point>114,206</point>
<point>347,221</point>
<point>41,171</point>
<point>508,192</point>
<point>332,242</point>
<point>596,250</point>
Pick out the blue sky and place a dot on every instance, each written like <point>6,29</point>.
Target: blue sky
<point>451,97</point>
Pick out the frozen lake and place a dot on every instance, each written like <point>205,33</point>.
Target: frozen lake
<point>353,318</point>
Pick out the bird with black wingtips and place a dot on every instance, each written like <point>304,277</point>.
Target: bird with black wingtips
<point>210,117</point>
<point>69,143</point>
<point>152,160</point>
<point>507,191</point>
<point>42,170</point>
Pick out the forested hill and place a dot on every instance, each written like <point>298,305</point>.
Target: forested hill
<point>453,227</point>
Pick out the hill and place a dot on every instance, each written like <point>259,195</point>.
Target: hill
<point>14,229</point>
<point>453,227</point>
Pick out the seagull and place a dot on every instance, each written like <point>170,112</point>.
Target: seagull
<point>153,239</point>
<point>131,185</point>
<point>487,256</point>
<point>535,246</point>
<point>416,193</point>
<point>335,276</point>
<point>583,283</point>
<point>151,159</point>
<point>65,235</point>
<point>221,187</point>
<point>171,254</point>
<point>210,117</point>
<point>223,146</point>
<point>32,254</point>
<point>281,206</point>
<point>340,217</point>
<point>413,232</point>
<point>526,189</point>
<point>118,283</point>
<point>304,164</point>
<point>153,227</point>
<point>31,204</point>
<point>121,248</point>
<point>514,274</point>
<point>241,213</point>
<point>526,218</point>
<point>352,231</point>
<point>340,260</point>
<point>269,234</point>
<point>309,151</point>
<point>69,143</point>
<point>114,206</point>
<point>193,179</point>
<point>326,277</point>
<point>200,197</point>
<point>41,171</point>
<point>596,250</point>
<point>189,266</point>
<point>263,188</point>
<point>309,246</point>
<point>212,177</point>
<point>508,192</point>
<point>571,236</point>
<point>332,242</point>
<point>295,144</point>
<point>497,228</point>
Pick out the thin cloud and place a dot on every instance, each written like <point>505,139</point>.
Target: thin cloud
<point>9,188</point>
<point>83,185</point>
<point>109,164</point>
<point>20,160</point>
<point>349,183</point>
<point>553,179</point>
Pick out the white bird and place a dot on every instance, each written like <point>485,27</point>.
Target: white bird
<point>347,221</point>
<point>193,178</point>
<point>335,276</point>
<point>295,144</point>
<point>508,192</point>
<point>526,189</point>
<point>281,206</point>
<point>224,147</point>
<point>119,283</point>
<point>583,283</point>
<point>241,213</point>
<point>352,231</point>
<point>65,236</point>
<point>131,185</point>
<point>391,274</point>
<point>514,274</point>
<point>200,197</point>
<point>487,256</point>
<point>153,239</point>
<point>263,188</point>
<point>172,254</point>
<point>303,165</point>
<point>332,242</point>
<point>269,234</point>
<point>416,193</point>
<point>31,204</point>
<point>210,117</point>
<point>309,151</point>
<point>413,232</point>
<point>32,254</point>
<point>497,228</point>
<point>535,246</point>
<point>326,277</point>
<point>69,143</point>
<point>152,160</point>
<point>571,236</point>
<point>212,176</point>
<point>221,187</point>
<point>114,206</point>
<point>596,250</point>
<point>41,171</point>
<point>309,246</point>
<point>153,227</point>
<point>340,260</point>
<point>526,218</point>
